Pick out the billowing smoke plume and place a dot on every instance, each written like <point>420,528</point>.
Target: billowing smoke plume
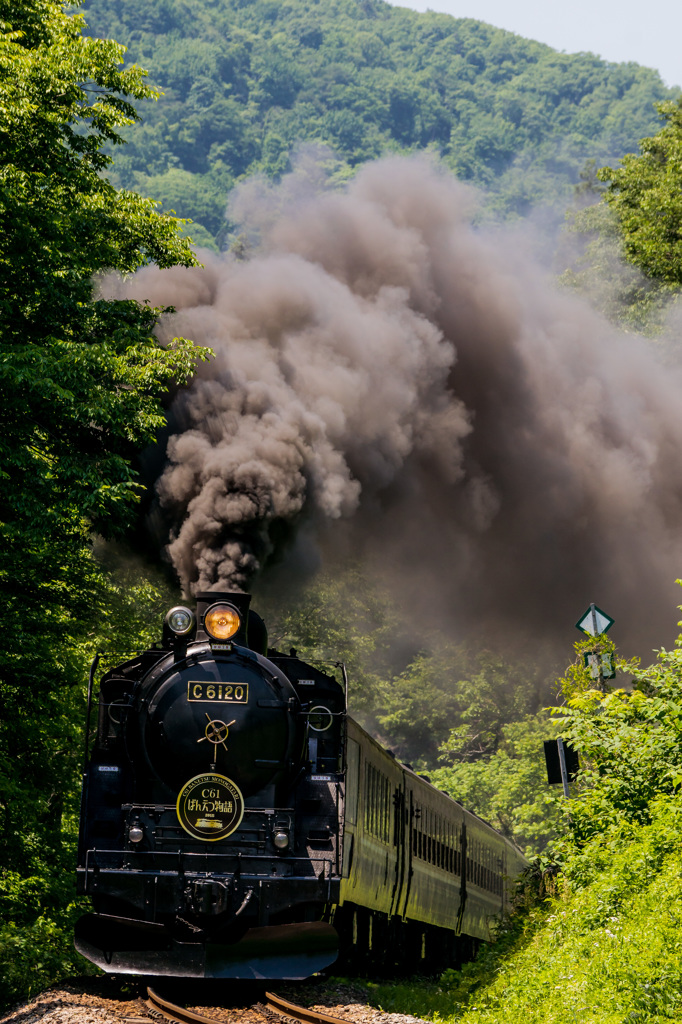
<point>390,381</point>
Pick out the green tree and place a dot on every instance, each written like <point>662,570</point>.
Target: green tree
<point>82,380</point>
<point>455,703</point>
<point>340,617</point>
<point>82,377</point>
<point>629,741</point>
<point>509,788</point>
<point>593,253</point>
<point>646,193</point>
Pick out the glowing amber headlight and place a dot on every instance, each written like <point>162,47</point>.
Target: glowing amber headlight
<point>221,621</point>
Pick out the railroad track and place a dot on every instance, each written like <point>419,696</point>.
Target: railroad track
<point>275,1010</point>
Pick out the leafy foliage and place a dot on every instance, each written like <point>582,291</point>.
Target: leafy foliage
<point>42,725</point>
<point>602,945</point>
<point>246,83</point>
<point>339,617</point>
<point>593,254</point>
<point>646,194</point>
<point>82,379</point>
<point>508,788</point>
<point>629,743</point>
<point>90,372</point>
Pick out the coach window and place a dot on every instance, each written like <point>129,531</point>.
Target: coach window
<point>369,771</point>
<point>371,802</point>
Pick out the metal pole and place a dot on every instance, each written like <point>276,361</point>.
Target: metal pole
<point>562,763</point>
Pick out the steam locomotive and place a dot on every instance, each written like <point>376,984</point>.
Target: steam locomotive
<point>236,823</point>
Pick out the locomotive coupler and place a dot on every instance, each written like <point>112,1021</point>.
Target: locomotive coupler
<point>207,896</point>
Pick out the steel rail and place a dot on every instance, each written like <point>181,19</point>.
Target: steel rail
<point>276,1005</point>
<point>286,1009</point>
<point>171,1011</point>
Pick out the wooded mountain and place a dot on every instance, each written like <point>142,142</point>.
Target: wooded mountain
<point>246,81</point>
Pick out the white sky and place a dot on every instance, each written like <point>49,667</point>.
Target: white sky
<point>649,33</point>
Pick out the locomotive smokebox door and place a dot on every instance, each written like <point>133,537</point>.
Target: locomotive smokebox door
<point>217,713</point>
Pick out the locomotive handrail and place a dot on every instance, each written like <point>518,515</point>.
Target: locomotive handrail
<point>212,856</point>
<point>181,854</point>
<point>96,869</point>
<point>342,666</point>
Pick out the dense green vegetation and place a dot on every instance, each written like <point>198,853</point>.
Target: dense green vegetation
<point>599,942</point>
<point>646,195</point>
<point>81,381</point>
<point>246,83</point>
<point>593,255</point>
<point>627,223</point>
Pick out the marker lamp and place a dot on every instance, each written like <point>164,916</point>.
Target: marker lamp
<point>180,621</point>
<point>221,621</point>
<point>281,839</point>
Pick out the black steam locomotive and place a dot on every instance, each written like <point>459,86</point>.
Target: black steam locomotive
<point>235,823</point>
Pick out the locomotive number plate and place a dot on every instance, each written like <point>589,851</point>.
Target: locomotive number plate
<point>228,693</point>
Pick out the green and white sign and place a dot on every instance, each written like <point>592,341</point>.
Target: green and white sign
<point>594,621</point>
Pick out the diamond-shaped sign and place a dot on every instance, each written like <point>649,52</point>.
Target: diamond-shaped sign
<point>594,621</point>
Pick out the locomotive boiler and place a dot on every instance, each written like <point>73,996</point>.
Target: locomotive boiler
<point>236,823</point>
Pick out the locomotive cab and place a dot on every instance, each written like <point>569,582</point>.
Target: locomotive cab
<point>209,838</point>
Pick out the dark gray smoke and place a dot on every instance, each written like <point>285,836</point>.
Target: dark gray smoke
<point>390,382</point>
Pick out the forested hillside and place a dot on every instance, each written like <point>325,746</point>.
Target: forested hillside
<point>245,83</point>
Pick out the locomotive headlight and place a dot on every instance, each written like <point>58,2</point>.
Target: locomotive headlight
<point>221,621</point>
<point>180,621</point>
<point>281,839</point>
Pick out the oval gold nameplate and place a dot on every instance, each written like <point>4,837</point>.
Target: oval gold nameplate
<point>210,807</point>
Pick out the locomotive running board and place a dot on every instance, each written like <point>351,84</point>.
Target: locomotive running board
<point>279,952</point>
